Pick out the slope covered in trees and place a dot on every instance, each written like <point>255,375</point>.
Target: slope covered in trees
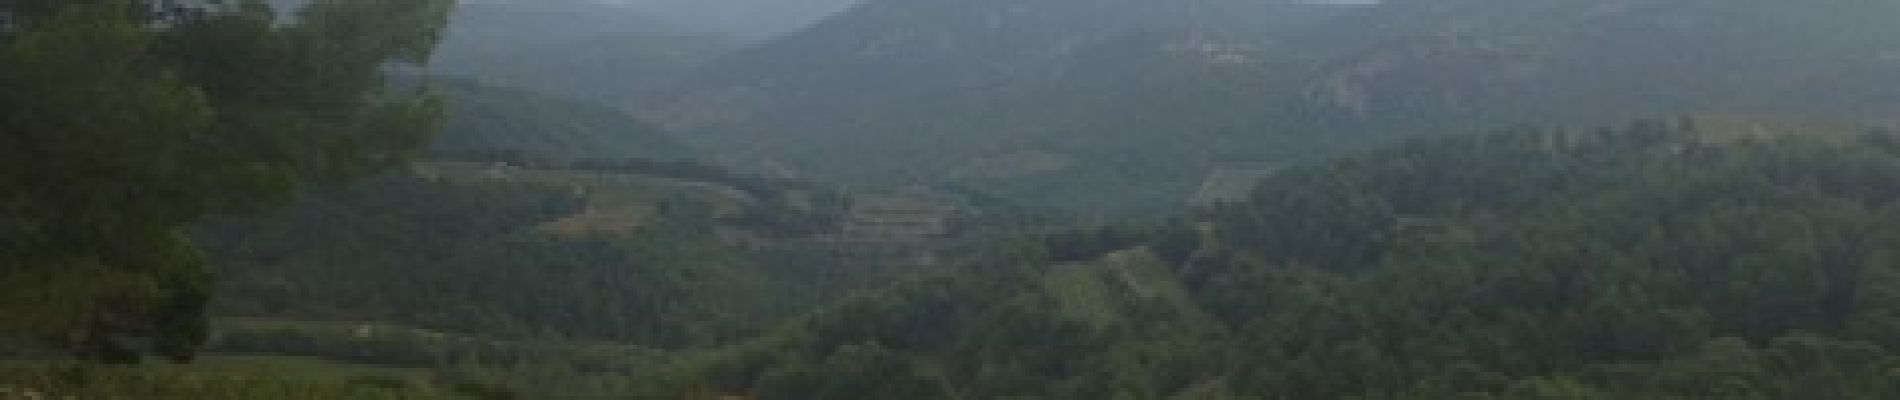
<point>610,52</point>
<point>1655,261</point>
<point>1482,60</point>
<point>611,68</point>
<point>662,261</point>
<point>1048,101</point>
<point>1003,94</point>
<point>484,120</point>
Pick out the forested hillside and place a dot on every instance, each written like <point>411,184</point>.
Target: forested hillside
<point>1486,60</point>
<point>610,52</point>
<point>484,120</point>
<point>950,199</point>
<point>1654,261</point>
<point>610,68</point>
<point>998,94</point>
<point>1025,97</point>
<point>525,253</point>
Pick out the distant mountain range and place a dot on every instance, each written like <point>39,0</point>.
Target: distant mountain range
<point>1116,106</point>
<point>1055,101</point>
<point>745,19</point>
<point>994,94</point>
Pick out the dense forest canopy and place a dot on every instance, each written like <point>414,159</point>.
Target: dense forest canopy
<point>1656,261</point>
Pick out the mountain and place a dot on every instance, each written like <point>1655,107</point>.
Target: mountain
<point>488,27</point>
<point>485,119</point>
<point>1123,108</point>
<point>1552,59</point>
<point>1708,258</point>
<point>612,52</point>
<point>580,50</point>
<point>744,19</point>
<point>608,68</point>
<point>954,93</point>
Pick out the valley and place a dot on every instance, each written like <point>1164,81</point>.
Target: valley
<point>972,199</point>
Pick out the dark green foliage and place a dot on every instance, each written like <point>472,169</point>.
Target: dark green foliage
<point>1654,261</point>
<point>688,255</point>
<point>852,371</point>
<point>469,257</point>
<point>123,121</point>
<point>1551,254</point>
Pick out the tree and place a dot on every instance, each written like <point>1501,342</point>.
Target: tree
<point>120,125</point>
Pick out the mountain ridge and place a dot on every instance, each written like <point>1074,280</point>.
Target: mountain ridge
<point>906,79</point>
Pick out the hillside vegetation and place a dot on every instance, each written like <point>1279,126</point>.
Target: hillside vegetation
<point>484,120</point>
<point>1655,261</point>
<point>1149,98</point>
<point>950,199</point>
<point>523,253</point>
